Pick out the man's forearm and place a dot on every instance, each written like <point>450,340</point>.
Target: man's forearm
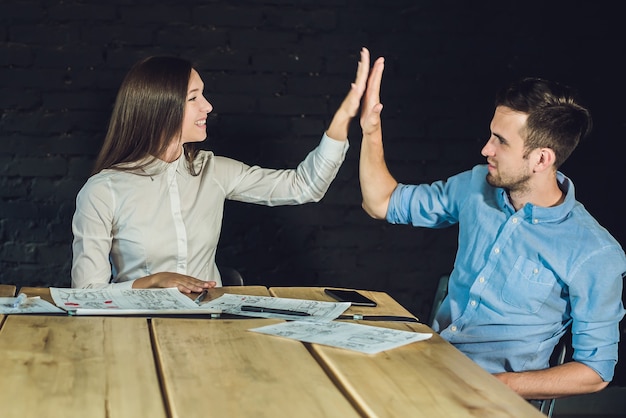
<point>377,184</point>
<point>568,379</point>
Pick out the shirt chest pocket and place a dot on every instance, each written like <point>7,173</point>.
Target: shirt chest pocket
<point>528,285</point>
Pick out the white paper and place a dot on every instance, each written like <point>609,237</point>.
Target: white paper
<point>30,305</point>
<point>123,301</point>
<point>142,312</point>
<point>318,311</point>
<point>363,338</point>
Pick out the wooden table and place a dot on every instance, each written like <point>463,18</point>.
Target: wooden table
<point>7,290</point>
<point>386,305</point>
<point>425,379</point>
<point>113,367</point>
<point>219,368</point>
<point>78,367</point>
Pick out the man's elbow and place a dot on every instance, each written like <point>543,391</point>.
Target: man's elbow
<point>376,214</point>
<point>598,386</point>
<point>593,383</point>
<point>590,380</point>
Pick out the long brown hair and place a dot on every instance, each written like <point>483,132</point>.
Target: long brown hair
<point>147,115</point>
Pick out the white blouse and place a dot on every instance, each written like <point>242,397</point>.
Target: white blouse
<point>128,225</point>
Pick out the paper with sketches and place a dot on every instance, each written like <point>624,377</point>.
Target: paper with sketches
<point>124,301</point>
<point>29,306</point>
<point>363,338</point>
<point>317,310</point>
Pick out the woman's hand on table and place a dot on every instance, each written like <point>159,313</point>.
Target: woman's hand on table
<point>185,284</point>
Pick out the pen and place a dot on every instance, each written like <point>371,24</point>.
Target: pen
<point>250,308</point>
<point>359,317</point>
<point>19,300</point>
<point>201,297</point>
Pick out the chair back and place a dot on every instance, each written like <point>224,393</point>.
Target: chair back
<point>440,294</point>
<point>558,357</point>
<point>230,277</point>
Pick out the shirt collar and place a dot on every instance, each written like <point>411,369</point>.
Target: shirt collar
<point>538,214</point>
<point>157,166</point>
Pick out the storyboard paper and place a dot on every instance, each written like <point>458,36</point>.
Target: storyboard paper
<point>363,338</point>
<point>123,301</point>
<point>318,311</point>
<point>34,305</point>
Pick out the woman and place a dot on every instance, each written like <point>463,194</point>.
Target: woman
<point>151,213</point>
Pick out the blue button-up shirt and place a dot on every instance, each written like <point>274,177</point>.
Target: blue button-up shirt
<point>520,278</point>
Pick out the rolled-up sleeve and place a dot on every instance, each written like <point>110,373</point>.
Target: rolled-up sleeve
<point>597,309</point>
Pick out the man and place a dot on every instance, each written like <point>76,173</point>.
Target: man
<point>531,260</point>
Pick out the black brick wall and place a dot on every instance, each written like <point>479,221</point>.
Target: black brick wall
<point>275,72</point>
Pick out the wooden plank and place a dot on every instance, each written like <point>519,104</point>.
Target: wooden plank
<point>7,290</point>
<point>424,379</point>
<point>42,292</point>
<point>386,304</point>
<point>235,290</point>
<point>217,368</point>
<point>78,367</point>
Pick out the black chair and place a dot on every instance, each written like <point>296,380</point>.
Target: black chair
<point>230,277</point>
<point>546,406</point>
<point>440,294</point>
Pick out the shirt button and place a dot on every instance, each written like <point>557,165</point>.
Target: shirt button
<point>514,220</point>
<point>473,303</point>
<point>453,328</point>
<point>536,271</point>
<point>535,221</point>
<point>481,279</point>
<point>496,250</point>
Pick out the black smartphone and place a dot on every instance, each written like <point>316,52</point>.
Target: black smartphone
<point>351,296</point>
